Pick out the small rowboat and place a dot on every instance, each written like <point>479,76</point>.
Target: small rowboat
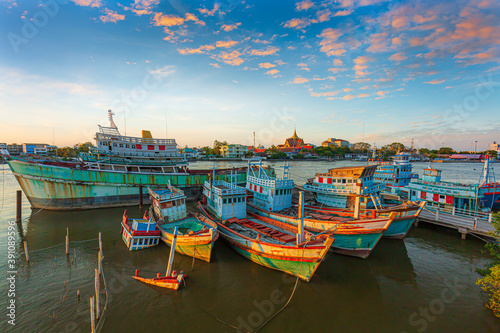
<point>171,280</point>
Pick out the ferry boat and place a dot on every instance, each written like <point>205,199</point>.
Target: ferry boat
<point>464,205</point>
<point>139,234</point>
<point>272,202</point>
<point>116,174</point>
<point>196,234</point>
<point>340,186</point>
<point>290,250</point>
<point>395,174</point>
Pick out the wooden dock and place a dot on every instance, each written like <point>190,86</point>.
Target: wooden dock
<point>476,223</point>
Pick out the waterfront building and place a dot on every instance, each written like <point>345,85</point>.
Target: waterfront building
<point>35,148</point>
<point>332,142</point>
<point>190,153</point>
<point>233,151</point>
<point>495,146</point>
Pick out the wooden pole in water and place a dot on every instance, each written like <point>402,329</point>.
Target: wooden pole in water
<point>18,206</point>
<point>100,242</point>
<point>96,294</point>
<point>140,195</point>
<point>171,257</point>
<point>26,251</point>
<point>92,314</point>
<point>67,241</point>
<point>300,230</point>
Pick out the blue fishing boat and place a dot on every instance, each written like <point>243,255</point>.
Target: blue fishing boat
<point>340,186</point>
<point>291,250</point>
<point>395,174</point>
<point>272,202</point>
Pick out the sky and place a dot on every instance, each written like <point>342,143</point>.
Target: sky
<point>198,71</point>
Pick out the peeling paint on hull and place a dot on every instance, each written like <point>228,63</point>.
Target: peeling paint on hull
<point>61,188</point>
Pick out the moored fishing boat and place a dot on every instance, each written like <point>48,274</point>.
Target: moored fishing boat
<point>395,174</point>
<point>196,234</point>
<point>448,203</point>
<point>115,174</point>
<point>171,280</point>
<point>272,201</point>
<point>296,253</point>
<point>139,234</point>
<point>340,186</point>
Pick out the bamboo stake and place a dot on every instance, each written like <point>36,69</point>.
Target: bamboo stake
<point>92,314</point>
<point>97,294</point>
<point>67,241</point>
<point>26,251</point>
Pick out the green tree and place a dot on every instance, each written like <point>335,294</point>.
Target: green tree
<point>425,151</point>
<point>393,148</point>
<point>361,147</point>
<point>217,145</point>
<point>445,150</point>
<point>490,282</point>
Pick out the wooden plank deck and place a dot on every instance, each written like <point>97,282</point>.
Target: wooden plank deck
<point>464,225</point>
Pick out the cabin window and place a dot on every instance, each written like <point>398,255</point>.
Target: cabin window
<point>127,146</point>
<point>114,144</point>
<point>121,145</point>
<point>133,146</point>
<point>343,181</point>
<point>140,241</point>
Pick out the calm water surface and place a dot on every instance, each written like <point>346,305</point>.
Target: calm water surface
<point>425,283</point>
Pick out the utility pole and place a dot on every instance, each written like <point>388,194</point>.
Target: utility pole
<point>475,149</point>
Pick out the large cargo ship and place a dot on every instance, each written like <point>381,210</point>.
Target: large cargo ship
<point>113,174</point>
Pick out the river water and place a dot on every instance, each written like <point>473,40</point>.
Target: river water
<point>425,283</point>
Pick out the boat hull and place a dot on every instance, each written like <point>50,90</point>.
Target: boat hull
<point>62,188</point>
<point>351,238</point>
<point>170,283</point>
<point>199,247</point>
<point>295,261</point>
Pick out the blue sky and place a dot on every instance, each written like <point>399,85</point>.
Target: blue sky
<point>199,71</point>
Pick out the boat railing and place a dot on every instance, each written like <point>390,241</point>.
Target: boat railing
<point>460,212</point>
<point>229,189</point>
<point>457,186</point>
<point>136,140</point>
<point>273,183</point>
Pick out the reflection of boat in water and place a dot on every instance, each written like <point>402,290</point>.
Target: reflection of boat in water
<point>393,262</point>
<point>111,175</point>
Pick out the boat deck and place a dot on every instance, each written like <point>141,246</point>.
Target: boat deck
<point>185,226</point>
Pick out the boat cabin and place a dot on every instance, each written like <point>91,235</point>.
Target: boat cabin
<point>139,234</point>
<point>338,187</point>
<point>168,203</point>
<point>431,175</point>
<point>225,200</point>
<point>269,193</point>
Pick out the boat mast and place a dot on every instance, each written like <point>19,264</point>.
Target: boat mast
<point>171,257</point>
<point>300,231</point>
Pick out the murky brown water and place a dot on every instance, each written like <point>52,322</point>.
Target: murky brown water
<point>425,283</point>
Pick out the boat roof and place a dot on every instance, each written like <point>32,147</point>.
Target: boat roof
<point>350,172</point>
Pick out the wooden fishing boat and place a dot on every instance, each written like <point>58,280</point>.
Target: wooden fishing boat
<point>196,233</point>
<point>272,202</point>
<point>406,215</point>
<point>139,234</point>
<point>171,280</point>
<point>297,253</point>
<point>355,238</point>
